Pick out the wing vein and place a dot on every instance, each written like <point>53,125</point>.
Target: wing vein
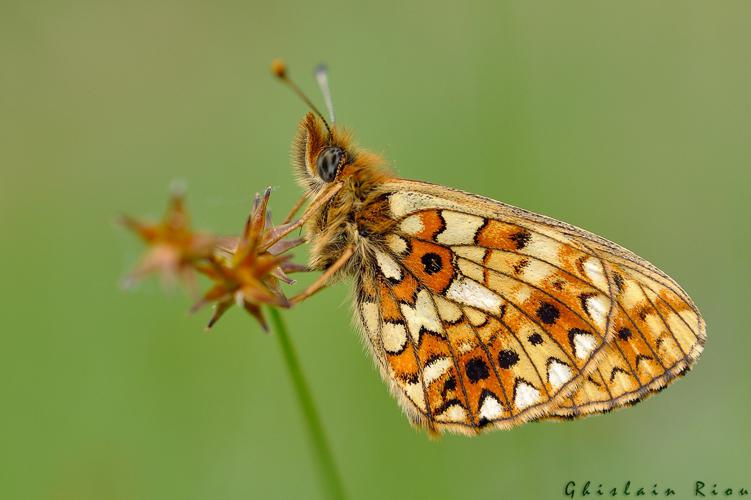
<point>605,384</point>
<point>551,296</point>
<point>451,351</point>
<point>490,360</point>
<point>676,312</point>
<point>588,251</point>
<point>473,417</point>
<point>537,372</point>
<point>378,351</point>
<point>663,320</point>
<point>550,335</point>
<point>428,413</point>
<point>609,336</point>
<point>644,337</point>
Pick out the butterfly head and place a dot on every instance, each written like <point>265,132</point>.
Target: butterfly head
<point>320,154</point>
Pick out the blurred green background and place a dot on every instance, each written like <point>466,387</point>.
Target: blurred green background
<point>629,119</point>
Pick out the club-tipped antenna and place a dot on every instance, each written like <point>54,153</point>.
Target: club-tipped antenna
<point>280,70</point>
<point>322,76</point>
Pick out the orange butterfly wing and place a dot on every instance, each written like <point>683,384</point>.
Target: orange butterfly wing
<point>482,315</point>
<point>658,336</point>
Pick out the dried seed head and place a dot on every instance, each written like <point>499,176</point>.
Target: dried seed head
<point>173,248</point>
<point>248,271</point>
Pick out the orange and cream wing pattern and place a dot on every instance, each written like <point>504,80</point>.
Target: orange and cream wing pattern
<point>658,336</point>
<point>481,315</point>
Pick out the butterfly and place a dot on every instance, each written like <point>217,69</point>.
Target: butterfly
<point>481,315</point>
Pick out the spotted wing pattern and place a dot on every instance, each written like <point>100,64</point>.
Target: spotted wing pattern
<point>658,336</point>
<point>481,315</point>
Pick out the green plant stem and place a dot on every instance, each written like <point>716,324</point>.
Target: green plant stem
<point>324,458</point>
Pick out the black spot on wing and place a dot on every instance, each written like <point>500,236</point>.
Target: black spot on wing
<point>643,312</point>
<point>618,280</point>
<point>432,263</point>
<point>477,370</point>
<point>449,385</point>
<point>507,358</point>
<point>624,333</point>
<point>520,239</point>
<point>535,339</point>
<point>548,313</point>
<point>519,266</point>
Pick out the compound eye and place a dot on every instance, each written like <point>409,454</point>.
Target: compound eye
<point>328,163</point>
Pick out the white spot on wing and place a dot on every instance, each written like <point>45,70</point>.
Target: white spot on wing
<point>455,413</point>
<point>388,266</point>
<point>522,294</point>
<point>598,307</point>
<point>394,337</point>
<point>407,202</point>
<point>537,272</point>
<point>491,408</point>
<point>435,369</point>
<point>620,379</point>
<point>584,344</point>
<point>423,314</point>
<point>543,248</point>
<point>471,270</point>
<point>396,244</point>
<point>369,312</point>
<point>473,294</point>
<point>474,316</point>
<point>460,228</point>
<point>473,253</point>
<point>412,225</point>
<point>558,374</point>
<point>416,394</point>
<point>594,271</point>
<point>448,311</point>
<point>526,395</point>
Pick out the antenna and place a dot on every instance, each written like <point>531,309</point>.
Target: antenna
<point>322,75</point>
<point>280,70</point>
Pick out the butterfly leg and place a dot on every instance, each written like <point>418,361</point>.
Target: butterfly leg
<point>323,279</point>
<point>295,208</point>
<point>320,200</point>
<point>292,267</point>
